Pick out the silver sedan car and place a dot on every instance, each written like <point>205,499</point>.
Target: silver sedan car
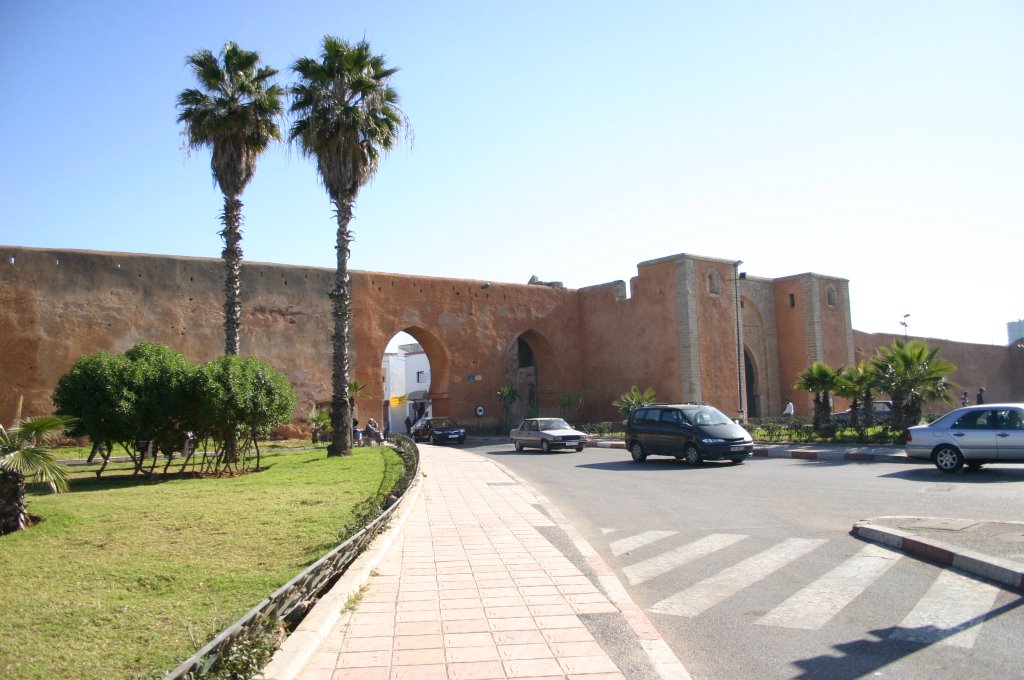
<point>973,435</point>
<point>546,434</point>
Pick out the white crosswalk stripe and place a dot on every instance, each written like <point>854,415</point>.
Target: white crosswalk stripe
<point>656,566</point>
<point>711,591</point>
<point>624,545</point>
<point>813,606</point>
<point>950,613</point>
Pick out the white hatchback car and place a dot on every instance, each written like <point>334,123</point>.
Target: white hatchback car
<point>972,435</point>
<point>546,434</point>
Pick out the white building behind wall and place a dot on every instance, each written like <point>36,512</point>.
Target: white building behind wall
<point>406,385</point>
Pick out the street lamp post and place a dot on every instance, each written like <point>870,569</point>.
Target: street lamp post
<point>737,276</point>
<point>904,324</point>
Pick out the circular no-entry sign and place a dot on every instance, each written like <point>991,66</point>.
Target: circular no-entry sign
<point>479,411</point>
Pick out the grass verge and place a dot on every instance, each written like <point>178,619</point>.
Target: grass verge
<point>128,575</point>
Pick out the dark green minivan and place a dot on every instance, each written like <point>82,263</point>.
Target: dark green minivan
<point>694,432</point>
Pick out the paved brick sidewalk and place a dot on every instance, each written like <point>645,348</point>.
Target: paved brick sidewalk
<point>473,588</point>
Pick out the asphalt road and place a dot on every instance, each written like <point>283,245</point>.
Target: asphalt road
<point>749,571</point>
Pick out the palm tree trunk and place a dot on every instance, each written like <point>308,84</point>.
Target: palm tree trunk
<point>232,254</point>
<point>341,298</point>
<point>13,513</point>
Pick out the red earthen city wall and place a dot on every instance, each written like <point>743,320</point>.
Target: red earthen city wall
<point>56,305</point>
<point>999,369</point>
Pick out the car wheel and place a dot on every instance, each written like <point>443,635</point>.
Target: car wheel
<point>948,459</point>
<point>737,461</point>
<point>693,456</point>
<point>545,446</point>
<point>636,450</point>
<point>579,448</point>
<point>519,446</point>
<point>435,441</point>
<point>462,439</point>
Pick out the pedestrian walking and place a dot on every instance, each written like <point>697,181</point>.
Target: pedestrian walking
<point>980,398</point>
<point>964,401</point>
<point>789,410</point>
<point>408,425</point>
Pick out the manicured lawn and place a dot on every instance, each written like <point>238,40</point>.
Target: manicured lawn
<point>126,576</point>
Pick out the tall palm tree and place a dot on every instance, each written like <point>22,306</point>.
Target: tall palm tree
<point>347,115</point>
<point>911,374</point>
<point>234,113</point>
<point>22,455</point>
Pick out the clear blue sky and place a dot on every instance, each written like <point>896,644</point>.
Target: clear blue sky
<point>879,141</point>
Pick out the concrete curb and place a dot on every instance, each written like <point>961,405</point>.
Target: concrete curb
<point>812,454</point>
<point>801,453</point>
<point>300,646</point>
<point>1002,571</point>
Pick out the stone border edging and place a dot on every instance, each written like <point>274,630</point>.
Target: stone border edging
<point>299,647</point>
<point>1002,571</point>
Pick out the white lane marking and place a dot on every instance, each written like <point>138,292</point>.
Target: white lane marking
<point>660,564</point>
<point>624,545</point>
<point>726,583</point>
<point>950,613</point>
<point>607,531</point>
<point>813,606</point>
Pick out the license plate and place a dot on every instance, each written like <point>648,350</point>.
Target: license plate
<point>739,448</point>
<point>453,436</point>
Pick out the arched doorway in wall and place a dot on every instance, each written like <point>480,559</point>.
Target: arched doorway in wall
<point>753,393</point>
<point>414,370</point>
<point>530,369</point>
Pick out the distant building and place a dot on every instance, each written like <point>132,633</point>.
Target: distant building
<point>406,375</point>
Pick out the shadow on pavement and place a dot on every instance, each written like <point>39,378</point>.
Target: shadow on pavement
<point>655,465</point>
<point>531,452</point>
<point>863,658</point>
<point>986,475</point>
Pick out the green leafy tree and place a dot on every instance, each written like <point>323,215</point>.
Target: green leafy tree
<point>347,116</point>
<point>911,373</point>
<point>234,112</point>
<point>163,383</point>
<point>22,456</point>
<point>99,394</point>
<point>569,402</point>
<point>858,384</point>
<point>821,381</point>
<point>319,421</point>
<point>241,400</point>
<point>139,399</point>
<point>508,395</point>
<point>634,398</point>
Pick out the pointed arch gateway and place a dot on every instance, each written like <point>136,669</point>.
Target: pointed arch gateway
<point>532,369</point>
<point>435,397</point>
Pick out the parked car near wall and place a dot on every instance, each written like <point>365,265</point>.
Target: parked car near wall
<point>972,436</point>
<point>695,432</point>
<point>546,434</point>
<point>438,431</point>
<point>882,413</point>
